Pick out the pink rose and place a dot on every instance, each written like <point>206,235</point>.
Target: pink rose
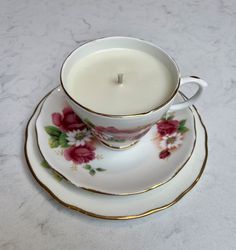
<point>80,154</point>
<point>68,120</point>
<point>164,154</point>
<point>167,127</point>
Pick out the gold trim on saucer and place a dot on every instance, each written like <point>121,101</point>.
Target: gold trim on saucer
<point>120,148</point>
<point>118,217</point>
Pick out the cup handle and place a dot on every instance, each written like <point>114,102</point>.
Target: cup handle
<point>185,80</point>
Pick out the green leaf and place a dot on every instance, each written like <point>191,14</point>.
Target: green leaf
<point>63,141</point>
<point>92,172</point>
<point>57,176</point>
<point>53,142</point>
<point>53,131</point>
<point>45,164</point>
<point>182,123</point>
<point>100,169</point>
<point>87,166</point>
<point>183,130</point>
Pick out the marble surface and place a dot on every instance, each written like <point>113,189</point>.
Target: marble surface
<point>35,37</point>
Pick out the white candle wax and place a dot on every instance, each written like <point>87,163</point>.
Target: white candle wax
<point>146,82</point>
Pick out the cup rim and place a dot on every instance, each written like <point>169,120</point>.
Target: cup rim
<point>128,115</point>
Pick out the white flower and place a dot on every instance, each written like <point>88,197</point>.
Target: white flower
<point>78,137</point>
<point>171,141</point>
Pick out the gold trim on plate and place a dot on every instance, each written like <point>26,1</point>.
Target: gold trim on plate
<point>119,217</point>
<point>116,217</point>
<point>120,194</point>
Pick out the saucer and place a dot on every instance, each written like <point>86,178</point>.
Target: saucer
<point>118,207</point>
<point>69,147</point>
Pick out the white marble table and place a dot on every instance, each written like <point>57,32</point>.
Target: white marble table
<point>35,37</point>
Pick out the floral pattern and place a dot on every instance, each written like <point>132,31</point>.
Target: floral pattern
<point>79,137</point>
<point>68,120</point>
<point>117,135</point>
<point>170,134</point>
<point>80,154</point>
<point>73,137</point>
<point>54,173</point>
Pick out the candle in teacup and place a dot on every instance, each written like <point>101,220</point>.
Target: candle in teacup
<point>121,86</point>
<point>120,81</point>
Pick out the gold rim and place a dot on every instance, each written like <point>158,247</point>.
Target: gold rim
<point>119,148</point>
<point>119,217</point>
<point>123,116</point>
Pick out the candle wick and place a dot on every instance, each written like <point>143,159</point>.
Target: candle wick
<point>120,78</point>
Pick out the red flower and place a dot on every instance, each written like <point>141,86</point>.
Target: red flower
<point>80,154</point>
<point>68,120</point>
<point>167,127</point>
<point>164,154</point>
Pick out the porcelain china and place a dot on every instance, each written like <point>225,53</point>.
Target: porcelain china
<point>117,207</point>
<point>121,131</point>
<point>69,147</point>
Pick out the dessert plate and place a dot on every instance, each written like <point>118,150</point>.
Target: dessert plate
<point>69,147</point>
<point>117,207</point>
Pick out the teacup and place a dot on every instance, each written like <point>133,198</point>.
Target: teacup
<point>122,130</point>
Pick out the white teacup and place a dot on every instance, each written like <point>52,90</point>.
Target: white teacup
<point>122,130</point>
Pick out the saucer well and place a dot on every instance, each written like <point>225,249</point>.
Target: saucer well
<point>69,147</point>
<point>118,207</point>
